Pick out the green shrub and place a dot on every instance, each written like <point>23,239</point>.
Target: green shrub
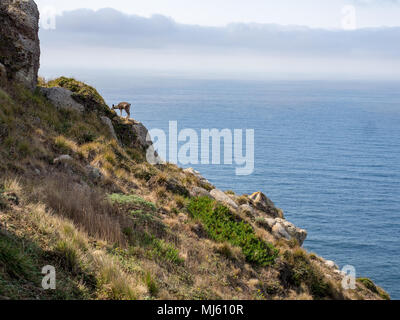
<point>68,254</point>
<point>301,270</point>
<point>221,226</point>
<point>166,251</point>
<point>151,284</point>
<point>131,199</point>
<point>13,260</point>
<point>370,285</point>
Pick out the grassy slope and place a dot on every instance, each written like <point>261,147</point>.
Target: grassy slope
<point>127,235</point>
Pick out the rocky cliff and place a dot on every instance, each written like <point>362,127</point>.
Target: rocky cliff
<point>19,41</point>
<point>77,193</point>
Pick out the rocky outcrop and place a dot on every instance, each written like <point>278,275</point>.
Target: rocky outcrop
<point>62,98</point>
<point>197,175</point>
<point>93,173</point>
<point>295,233</point>
<point>142,134</point>
<point>19,41</point>
<point>108,123</point>
<point>65,158</point>
<point>199,192</point>
<point>223,198</point>
<point>131,133</point>
<point>261,202</point>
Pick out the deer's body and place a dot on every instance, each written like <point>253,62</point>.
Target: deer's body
<point>123,106</point>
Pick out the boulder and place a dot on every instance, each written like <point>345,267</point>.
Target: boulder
<point>331,264</point>
<point>65,158</point>
<point>142,134</point>
<point>197,175</point>
<point>246,209</point>
<point>107,121</point>
<point>223,198</point>
<point>261,202</point>
<point>279,231</point>
<point>93,172</point>
<point>19,41</point>
<point>199,192</point>
<point>296,233</point>
<point>266,223</point>
<point>62,98</point>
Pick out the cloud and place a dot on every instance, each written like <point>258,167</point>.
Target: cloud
<point>110,33</point>
<point>110,28</point>
<point>376,2</point>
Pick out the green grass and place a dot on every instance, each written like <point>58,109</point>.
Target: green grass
<point>165,251</point>
<point>68,254</point>
<point>301,270</point>
<point>370,285</point>
<point>14,262</point>
<point>221,226</point>
<point>151,284</point>
<point>131,199</point>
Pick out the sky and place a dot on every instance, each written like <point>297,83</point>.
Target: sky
<point>312,13</point>
<point>299,39</point>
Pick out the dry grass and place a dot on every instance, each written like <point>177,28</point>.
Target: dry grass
<point>12,185</point>
<point>86,207</point>
<point>61,238</point>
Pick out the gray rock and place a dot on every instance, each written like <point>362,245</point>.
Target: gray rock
<point>197,175</point>
<point>222,197</point>
<point>108,123</point>
<point>19,45</point>
<point>65,158</point>
<point>199,192</point>
<point>266,223</point>
<point>62,98</point>
<point>246,209</point>
<point>331,264</point>
<point>93,173</point>
<point>261,202</point>
<point>279,231</point>
<point>296,233</point>
<point>270,222</point>
<point>142,134</point>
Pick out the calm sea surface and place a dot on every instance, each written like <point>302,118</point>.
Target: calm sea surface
<point>327,153</point>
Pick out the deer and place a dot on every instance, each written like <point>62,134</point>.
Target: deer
<point>123,106</point>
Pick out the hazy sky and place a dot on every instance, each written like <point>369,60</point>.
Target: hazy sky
<point>313,13</point>
<point>224,38</point>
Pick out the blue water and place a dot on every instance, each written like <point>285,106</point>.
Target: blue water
<point>327,153</point>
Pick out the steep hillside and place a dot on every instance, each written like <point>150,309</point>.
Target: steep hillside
<point>77,193</point>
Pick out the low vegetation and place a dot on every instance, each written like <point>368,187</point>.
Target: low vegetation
<point>221,226</point>
<point>116,227</point>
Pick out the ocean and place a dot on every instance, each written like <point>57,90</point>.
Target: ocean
<point>327,153</point>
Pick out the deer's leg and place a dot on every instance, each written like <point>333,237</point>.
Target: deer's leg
<point>121,111</point>
<point>128,113</point>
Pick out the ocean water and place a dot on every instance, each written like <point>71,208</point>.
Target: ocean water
<point>327,153</point>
